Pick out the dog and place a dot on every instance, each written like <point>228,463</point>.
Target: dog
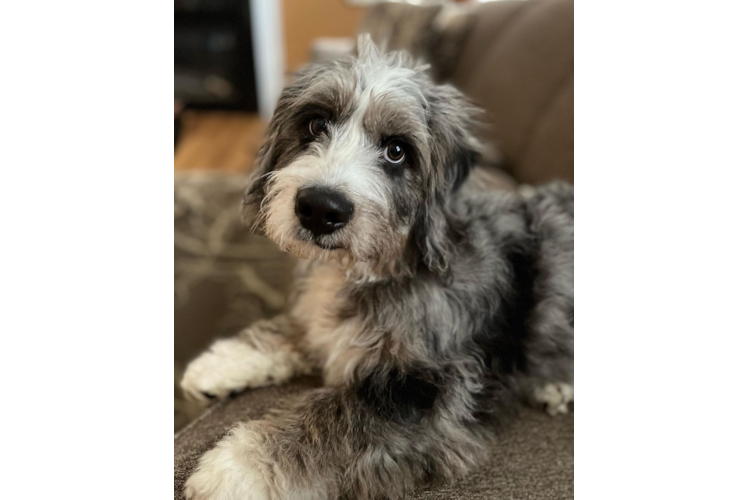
<point>431,306</point>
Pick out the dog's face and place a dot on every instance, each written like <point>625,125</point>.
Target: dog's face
<point>359,161</point>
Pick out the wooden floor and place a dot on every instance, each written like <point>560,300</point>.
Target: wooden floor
<point>218,140</point>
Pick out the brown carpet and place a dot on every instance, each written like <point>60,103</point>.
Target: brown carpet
<point>533,459</point>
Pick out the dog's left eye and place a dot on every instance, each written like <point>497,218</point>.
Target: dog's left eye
<point>394,152</point>
<point>317,126</point>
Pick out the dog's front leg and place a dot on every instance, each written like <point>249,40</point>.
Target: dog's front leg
<point>265,353</point>
<point>380,437</point>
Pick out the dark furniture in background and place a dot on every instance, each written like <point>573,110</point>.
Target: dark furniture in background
<point>213,61</point>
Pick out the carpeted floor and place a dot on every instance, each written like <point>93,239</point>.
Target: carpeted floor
<point>533,458</point>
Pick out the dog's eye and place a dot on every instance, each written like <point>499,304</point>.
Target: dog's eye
<point>394,152</point>
<point>317,126</point>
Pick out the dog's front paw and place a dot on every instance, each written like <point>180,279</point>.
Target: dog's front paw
<point>555,397</point>
<point>227,472</point>
<point>230,366</point>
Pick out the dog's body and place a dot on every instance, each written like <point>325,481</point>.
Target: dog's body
<point>431,306</point>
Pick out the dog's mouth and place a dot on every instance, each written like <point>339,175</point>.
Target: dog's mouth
<point>325,242</point>
<point>328,246</point>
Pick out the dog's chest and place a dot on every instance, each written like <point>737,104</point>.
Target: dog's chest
<point>329,338</point>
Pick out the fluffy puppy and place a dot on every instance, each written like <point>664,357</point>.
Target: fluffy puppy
<point>429,305</point>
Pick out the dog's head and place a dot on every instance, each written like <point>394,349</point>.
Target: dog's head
<point>359,163</point>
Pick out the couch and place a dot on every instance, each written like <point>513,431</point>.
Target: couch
<point>514,58</point>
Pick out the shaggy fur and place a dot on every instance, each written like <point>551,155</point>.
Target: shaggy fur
<point>437,308</point>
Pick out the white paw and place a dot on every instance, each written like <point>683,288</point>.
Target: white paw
<point>526,191</point>
<point>232,365</point>
<point>228,472</point>
<point>555,397</point>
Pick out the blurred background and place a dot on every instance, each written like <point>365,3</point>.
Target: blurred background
<point>514,58</point>
<point>231,60</point>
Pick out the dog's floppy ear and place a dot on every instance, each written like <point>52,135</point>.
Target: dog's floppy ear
<point>454,152</point>
<point>272,146</point>
<point>263,165</point>
<point>268,154</point>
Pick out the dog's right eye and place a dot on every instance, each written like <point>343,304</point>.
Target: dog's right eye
<point>317,126</point>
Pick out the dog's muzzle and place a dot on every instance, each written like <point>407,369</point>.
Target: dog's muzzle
<point>322,211</point>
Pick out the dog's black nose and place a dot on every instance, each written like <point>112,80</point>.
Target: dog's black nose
<point>322,211</point>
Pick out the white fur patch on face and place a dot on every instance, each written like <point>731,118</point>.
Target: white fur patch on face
<point>351,167</point>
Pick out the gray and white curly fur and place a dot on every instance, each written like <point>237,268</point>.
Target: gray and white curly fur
<point>437,308</point>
